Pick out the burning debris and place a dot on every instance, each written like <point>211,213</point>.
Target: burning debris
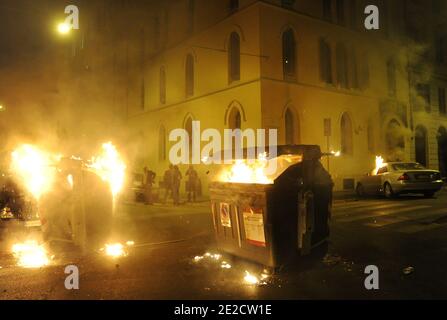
<point>249,278</point>
<point>30,254</point>
<point>117,250</point>
<point>336,153</point>
<point>255,280</point>
<point>211,256</point>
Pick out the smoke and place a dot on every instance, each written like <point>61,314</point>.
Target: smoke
<point>67,95</point>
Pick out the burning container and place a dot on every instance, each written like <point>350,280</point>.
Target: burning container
<point>273,219</point>
<point>80,209</point>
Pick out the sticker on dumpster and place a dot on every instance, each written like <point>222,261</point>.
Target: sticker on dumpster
<point>254,226</point>
<point>225,214</point>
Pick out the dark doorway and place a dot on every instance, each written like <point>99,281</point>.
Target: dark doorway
<point>442,151</point>
<point>421,145</point>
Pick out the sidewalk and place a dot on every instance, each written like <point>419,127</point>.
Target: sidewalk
<point>162,209</point>
<point>203,203</point>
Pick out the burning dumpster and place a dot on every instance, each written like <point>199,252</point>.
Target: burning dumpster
<point>273,218</point>
<point>80,209</point>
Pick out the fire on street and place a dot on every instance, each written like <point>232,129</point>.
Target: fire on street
<point>192,152</point>
<point>394,235</point>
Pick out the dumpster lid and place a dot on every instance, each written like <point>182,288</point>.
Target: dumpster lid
<point>266,167</point>
<point>308,152</point>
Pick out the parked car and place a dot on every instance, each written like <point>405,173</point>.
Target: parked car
<point>396,178</point>
<point>18,210</point>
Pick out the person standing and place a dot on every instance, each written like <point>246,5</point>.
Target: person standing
<point>193,178</point>
<point>149,179</point>
<point>176,180</point>
<point>167,182</point>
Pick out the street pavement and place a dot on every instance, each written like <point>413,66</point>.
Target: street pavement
<point>408,233</point>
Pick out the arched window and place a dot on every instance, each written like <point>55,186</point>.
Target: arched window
<point>342,65</point>
<point>442,150</point>
<point>188,129</point>
<point>289,55</point>
<point>234,57</point>
<point>421,145</point>
<point>189,75</point>
<point>162,85</point>
<point>235,122</point>
<point>347,145</point>
<point>325,62</point>
<point>291,125</point>
<point>162,144</point>
<point>234,119</point>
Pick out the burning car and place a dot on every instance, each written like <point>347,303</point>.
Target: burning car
<point>395,178</point>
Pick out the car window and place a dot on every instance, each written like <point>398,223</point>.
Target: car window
<point>382,170</point>
<point>407,166</point>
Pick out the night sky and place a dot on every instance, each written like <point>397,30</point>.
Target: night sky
<point>27,28</point>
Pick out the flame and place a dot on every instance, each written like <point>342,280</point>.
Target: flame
<point>256,280</point>
<point>33,167</point>
<point>244,171</point>
<point>250,279</point>
<point>379,164</point>
<point>30,254</point>
<point>110,167</point>
<point>70,180</point>
<point>336,153</point>
<point>115,250</point>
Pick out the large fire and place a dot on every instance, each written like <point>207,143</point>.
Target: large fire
<point>244,171</point>
<point>34,169</point>
<point>110,167</point>
<point>30,254</point>
<point>258,171</point>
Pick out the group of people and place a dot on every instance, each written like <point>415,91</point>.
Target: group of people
<point>171,182</point>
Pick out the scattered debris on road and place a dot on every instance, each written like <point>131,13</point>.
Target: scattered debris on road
<point>212,256</point>
<point>255,280</point>
<point>331,259</point>
<point>249,277</point>
<point>408,270</point>
<point>30,254</point>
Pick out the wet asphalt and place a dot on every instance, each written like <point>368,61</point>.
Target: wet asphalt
<point>405,238</point>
